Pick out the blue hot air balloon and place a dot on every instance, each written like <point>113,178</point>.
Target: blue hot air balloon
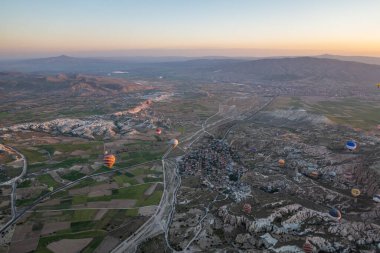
<point>335,213</point>
<point>351,145</point>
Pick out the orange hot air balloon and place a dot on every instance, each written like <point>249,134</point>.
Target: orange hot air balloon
<point>247,208</point>
<point>109,161</point>
<point>158,131</point>
<point>281,162</point>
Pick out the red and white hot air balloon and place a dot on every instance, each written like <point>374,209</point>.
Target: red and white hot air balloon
<point>247,208</point>
<point>307,247</point>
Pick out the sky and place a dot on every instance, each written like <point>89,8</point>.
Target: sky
<point>36,28</point>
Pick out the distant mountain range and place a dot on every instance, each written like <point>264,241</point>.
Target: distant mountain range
<point>77,84</point>
<point>307,70</point>
<point>321,69</point>
<point>362,59</point>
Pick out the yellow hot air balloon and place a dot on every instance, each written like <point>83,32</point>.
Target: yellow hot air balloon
<point>355,192</point>
<point>109,160</point>
<point>378,85</point>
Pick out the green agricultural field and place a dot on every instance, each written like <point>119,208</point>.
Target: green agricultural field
<point>25,202</point>
<point>37,167</point>
<point>132,212</point>
<point>97,236</point>
<point>152,179</point>
<point>79,199</point>
<point>354,112</point>
<point>25,184</point>
<point>84,183</point>
<point>131,192</point>
<point>134,158</point>
<point>121,179</point>
<point>153,199</point>
<point>69,162</point>
<point>33,156</point>
<point>144,171</point>
<point>70,147</point>
<point>48,180</point>
<point>84,215</point>
<point>73,175</point>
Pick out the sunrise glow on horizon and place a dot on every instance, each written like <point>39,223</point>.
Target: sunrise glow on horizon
<point>189,28</point>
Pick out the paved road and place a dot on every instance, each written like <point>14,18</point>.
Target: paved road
<point>24,168</point>
<point>160,221</point>
<point>13,183</point>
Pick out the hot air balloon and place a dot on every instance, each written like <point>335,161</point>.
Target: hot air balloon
<point>109,160</point>
<point>247,208</point>
<point>378,85</point>
<point>174,142</point>
<point>348,175</point>
<point>335,213</point>
<point>314,174</point>
<point>281,162</point>
<point>355,192</point>
<point>376,198</point>
<point>351,145</point>
<point>158,131</point>
<point>307,247</point>
<point>51,188</point>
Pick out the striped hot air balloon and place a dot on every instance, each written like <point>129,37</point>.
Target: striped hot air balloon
<point>247,208</point>
<point>348,175</point>
<point>109,160</point>
<point>307,247</point>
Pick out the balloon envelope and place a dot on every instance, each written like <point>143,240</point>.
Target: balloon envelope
<point>174,142</point>
<point>351,145</point>
<point>307,247</point>
<point>247,208</point>
<point>158,131</point>
<point>281,162</point>
<point>109,161</point>
<point>335,213</point>
<point>376,198</point>
<point>355,192</point>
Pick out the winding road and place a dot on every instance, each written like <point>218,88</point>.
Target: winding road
<point>13,183</point>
